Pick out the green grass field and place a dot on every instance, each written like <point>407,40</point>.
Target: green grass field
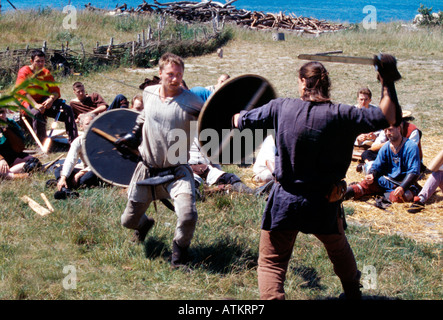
<point>81,252</point>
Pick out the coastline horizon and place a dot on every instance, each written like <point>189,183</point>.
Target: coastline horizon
<point>337,12</point>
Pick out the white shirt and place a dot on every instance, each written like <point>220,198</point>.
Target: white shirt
<point>266,153</point>
<point>75,152</point>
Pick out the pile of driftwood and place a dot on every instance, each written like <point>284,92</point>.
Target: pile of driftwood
<point>205,11</point>
<point>259,20</point>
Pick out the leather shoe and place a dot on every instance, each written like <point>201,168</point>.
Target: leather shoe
<point>140,234</point>
<point>417,206</point>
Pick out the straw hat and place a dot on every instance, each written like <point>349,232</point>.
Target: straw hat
<point>407,115</point>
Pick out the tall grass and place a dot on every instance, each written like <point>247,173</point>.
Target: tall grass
<point>33,26</point>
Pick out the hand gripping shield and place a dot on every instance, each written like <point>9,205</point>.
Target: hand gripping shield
<point>114,165</point>
<point>218,141</point>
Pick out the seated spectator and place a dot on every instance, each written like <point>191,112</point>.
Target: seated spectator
<point>137,103</point>
<point>364,98</point>
<point>45,106</point>
<point>149,82</point>
<point>212,174</point>
<point>14,163</point>
<point>434,181</point>
<point>120,101</point>
<point>394,171</point>
<point>408,130</point>
<point>72,177</point>
<point>223,77</point>
<point>84,102</point>
<point>202,92</point>
<point>94,102</point>
<point>264,165</point>
<point>205,92</point>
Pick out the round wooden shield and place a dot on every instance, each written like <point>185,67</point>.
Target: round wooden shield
<point>218,141</point>
<point>113,166</point>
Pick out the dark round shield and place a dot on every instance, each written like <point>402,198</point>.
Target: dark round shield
<point>217,141</point>
<point>112,165</point>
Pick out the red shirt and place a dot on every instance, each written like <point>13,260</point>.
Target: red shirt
<point>408,128</point>
<point>44,75</point>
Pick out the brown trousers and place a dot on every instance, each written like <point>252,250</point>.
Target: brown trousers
<point>275,251</point>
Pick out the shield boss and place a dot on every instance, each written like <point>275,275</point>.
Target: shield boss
<point>101,155</point>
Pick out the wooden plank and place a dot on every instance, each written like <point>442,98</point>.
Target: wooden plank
<point>42,211</point>
<point>48,204</point>
<point>340,59</point>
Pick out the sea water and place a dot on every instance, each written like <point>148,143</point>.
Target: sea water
<point>352,11</point>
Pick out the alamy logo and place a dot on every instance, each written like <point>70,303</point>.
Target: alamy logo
<point>369,279</point>
<point>228,146</point>
<point>70,21</point>
<point>370,21</point>
<point>70,281</point>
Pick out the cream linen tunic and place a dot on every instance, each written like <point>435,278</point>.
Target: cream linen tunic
<point>168,130</point>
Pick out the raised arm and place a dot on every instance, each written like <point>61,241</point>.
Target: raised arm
<point>386,65</point>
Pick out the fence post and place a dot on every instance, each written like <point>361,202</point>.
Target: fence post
<point>18,62</point>
<point>83,50</point>
<point>6,55</point>
<point>149,33</point>
<point>133,52</point>
<point>108,52</point>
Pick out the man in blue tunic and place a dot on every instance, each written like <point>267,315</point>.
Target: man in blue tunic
<point>394,171</point>
<point>314,139</point>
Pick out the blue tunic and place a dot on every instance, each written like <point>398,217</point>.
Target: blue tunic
<point>202,92</point>
<point>314,144</point>
<point>396,166</point>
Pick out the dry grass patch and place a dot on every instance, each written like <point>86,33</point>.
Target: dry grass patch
<point>425,226</point>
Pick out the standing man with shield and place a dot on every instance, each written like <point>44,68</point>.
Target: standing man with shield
<point>314,139</point>
<point>163,136</point>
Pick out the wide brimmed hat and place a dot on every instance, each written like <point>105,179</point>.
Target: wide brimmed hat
<point>407,115</point>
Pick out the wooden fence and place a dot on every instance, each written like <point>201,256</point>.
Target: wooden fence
<point>150,44</point>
